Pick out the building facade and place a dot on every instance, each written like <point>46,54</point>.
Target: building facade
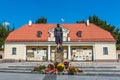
<point>81,42</point>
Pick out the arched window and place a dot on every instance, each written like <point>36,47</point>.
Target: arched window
<point>39,33</point>
<point>79,33</point>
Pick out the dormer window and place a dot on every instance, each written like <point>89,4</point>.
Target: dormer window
<point>79,33</point>
<point>39,33</point>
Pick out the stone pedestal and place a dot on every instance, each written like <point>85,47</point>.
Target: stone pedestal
<point>59,57</point>
<point>59,54</point>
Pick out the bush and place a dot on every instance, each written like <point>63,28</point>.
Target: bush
<point>40,68</point>
<point>72,70</point>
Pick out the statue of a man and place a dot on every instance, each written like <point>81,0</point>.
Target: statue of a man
<point>58,33</point>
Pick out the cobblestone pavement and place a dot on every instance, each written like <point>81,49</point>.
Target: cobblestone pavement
<point>22,76</point>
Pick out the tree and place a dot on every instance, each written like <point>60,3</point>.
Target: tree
<point>80,21</point>
<point>103,24</point>
<point>41,20</point>
<point>4,31</point>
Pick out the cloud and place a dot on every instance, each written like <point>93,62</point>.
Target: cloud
<point>6,24</point>
<point>62,19</point>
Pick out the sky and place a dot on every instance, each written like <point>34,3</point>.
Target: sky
<point>19,12</point>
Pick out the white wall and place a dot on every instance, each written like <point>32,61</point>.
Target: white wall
<point>97,50</point>
<point>98,47</point>
<point>20,51</point>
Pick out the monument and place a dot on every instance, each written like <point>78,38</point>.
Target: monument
<point>58,34</point>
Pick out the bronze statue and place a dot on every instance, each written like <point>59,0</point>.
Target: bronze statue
<point>58,33</point>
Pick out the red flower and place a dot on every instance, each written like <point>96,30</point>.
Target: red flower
<point>47,70</point>
<point>51,66</point>
<point>66,63</point>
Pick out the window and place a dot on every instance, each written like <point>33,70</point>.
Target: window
<point>33,49</point>
<point>105,50</point>
<point>84,48</point>
<point>79,33</point>
<point>44,49</point>
<point>14,51</point>
<point>39,33</point>
<point>73,48</point>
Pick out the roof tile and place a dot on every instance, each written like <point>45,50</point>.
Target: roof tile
<point>91,33</point>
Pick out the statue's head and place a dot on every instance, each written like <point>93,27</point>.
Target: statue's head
<point>58,25</point>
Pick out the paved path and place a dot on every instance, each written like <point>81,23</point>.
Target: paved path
<point>19,76</point>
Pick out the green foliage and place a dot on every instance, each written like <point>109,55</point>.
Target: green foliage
<point>103,24</point>
<point>80,21</point>
<point>72,70</point>
<point>118,46</point>
<point>41,20</point>
<point>40,68</point>
<point>4,31</point>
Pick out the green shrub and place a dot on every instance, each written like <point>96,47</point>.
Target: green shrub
<point>40,68</point>
<point>72,70</point>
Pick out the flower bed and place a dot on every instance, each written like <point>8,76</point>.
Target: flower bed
<point>58,67</point>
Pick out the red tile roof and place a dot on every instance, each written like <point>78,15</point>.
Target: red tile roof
<point>91,33</point>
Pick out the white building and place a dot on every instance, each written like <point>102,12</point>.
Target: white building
<point>36,42</point>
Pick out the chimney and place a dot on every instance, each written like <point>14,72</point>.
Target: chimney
<point>30,23</point>
<point>88,23</point>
